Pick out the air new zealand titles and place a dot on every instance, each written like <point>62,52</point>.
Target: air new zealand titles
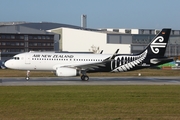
<point>51,56</point>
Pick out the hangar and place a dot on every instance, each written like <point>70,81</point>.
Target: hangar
<point>79,40</point>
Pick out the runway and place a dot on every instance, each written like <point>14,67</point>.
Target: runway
<point>93,81</point>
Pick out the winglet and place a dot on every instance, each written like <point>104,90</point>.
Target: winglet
<point>113,56</point>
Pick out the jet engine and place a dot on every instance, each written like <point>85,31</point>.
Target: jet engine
<point>64,71</point>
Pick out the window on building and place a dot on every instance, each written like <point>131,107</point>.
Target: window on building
<point>22,37</point>
<point>39,37</point>
<point>142,39</point>
<point>8,43</point>
<point>8,37</point>
<point>22,44</point>
<point>126,39</point>
<point>12,37</point>
<point>47,37</point>
<point>43,44</point>
<point>34,37</point>
<point>3,36</point>
<point>30,44</point>
<point>30,37</point>
<point>35,44</point>
<point>48,44</point>
<point>51,37</point>
<point>114,39</point>
<point>17,43</point>
<point>3,43</point>
<point>12,43</point>
<point>38,44</point>
<point>43,37</point>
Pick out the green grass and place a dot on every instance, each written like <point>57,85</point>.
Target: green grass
<point>89,102</point>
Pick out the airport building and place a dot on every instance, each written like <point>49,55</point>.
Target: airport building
<point>140,38</point>
<point>17,37</point>
<point>79,40</point>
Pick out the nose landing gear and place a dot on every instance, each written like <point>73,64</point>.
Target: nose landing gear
<point>27,75</point>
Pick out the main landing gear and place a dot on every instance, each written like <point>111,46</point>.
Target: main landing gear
<point>27,75</point>
<point>84,78</point>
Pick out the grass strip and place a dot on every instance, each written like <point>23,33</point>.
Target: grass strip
<point>89,102</point>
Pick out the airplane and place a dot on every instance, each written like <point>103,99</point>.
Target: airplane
<point>78,64</point>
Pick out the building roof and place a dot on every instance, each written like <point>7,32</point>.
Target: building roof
<point>43,26</point>
<point>18,29</point>
<point>47,25</point>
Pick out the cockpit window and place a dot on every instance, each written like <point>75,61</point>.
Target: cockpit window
<point>16,58</point>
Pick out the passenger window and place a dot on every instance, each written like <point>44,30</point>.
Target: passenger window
<point>16,58</point>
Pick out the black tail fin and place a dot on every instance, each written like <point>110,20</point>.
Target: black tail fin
<point>158,45</point>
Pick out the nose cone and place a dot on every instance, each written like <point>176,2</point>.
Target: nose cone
<point>8,64</point>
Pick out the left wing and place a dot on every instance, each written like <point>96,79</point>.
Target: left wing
<point>93,66</point>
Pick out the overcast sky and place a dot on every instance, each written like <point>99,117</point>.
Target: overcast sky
<point>144,14</point>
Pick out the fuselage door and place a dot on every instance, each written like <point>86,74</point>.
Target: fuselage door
<point>27,59</point>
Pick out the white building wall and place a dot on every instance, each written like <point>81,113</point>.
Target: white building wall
<point>74,40</point>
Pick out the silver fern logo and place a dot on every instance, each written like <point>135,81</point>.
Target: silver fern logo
<point>125,63</point>
<point>156,44</point>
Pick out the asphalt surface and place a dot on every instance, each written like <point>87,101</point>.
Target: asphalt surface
<point>92,81</point>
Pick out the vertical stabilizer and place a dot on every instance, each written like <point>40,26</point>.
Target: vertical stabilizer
<point>158,45</point>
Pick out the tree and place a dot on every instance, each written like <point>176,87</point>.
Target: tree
<point>94,49</point>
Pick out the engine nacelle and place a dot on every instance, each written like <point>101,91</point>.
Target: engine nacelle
<point>64,71</point>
